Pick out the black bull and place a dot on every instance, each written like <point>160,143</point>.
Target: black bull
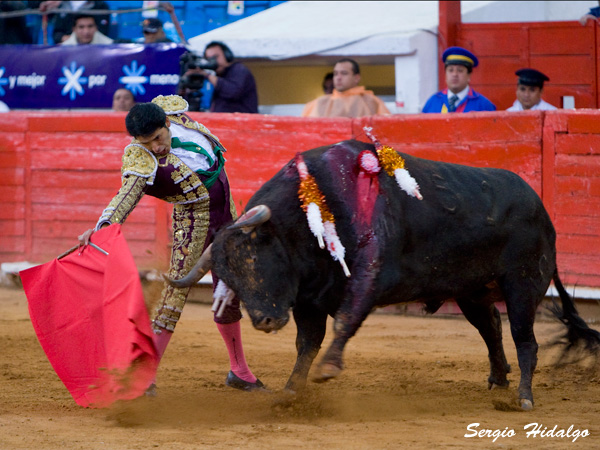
<point>479,235</point>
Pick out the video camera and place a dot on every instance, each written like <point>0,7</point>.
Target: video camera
<point>191,86</point>
<point>190,60</point>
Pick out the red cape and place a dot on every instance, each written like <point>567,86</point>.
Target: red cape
<point>89,314</point>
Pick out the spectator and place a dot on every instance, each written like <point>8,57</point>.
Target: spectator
<point>154,32</point>
<point>86,32</point>
<point>348,99</point>
<point>529,91</point>
<point>328,83</point>
<point>123,100</point>
<point>64,19</point>
<point>234,84</point>
<point>458,96</point>
<point>592,14</point>
<point>13,30</point>
<point>176,159</point>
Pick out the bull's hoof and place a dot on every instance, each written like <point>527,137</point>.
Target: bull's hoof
<point>284,399</point>
<point>492,386</point>
<point>526,405</point>
<point>500,405</point>
<point>325,372</point>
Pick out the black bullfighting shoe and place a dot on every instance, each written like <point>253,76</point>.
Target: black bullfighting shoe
<point>237,383</point>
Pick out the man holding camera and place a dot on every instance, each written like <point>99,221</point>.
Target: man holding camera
<point>233,83</point>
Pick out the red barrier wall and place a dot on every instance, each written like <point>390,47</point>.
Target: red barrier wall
<point>572,147</point>
<point>59,170</point>
<point>565,51</point>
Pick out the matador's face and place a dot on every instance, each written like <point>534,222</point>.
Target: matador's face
<point>158,142</point>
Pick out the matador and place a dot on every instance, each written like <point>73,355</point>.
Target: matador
<point>176,159</point>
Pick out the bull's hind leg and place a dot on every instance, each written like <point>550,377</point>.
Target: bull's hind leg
<point>480,311</point>
<point>522,298</point>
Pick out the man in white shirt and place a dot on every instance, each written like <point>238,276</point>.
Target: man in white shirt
<point>85,31</point>
<point>529,91</point>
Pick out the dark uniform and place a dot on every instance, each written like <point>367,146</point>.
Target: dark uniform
<point>473,101</point>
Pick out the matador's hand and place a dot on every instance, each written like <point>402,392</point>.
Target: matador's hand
<point>84,239</point>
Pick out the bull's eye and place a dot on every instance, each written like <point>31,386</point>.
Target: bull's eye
<point>251,260</point>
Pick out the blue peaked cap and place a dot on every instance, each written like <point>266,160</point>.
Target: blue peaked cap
<point>459,55</point>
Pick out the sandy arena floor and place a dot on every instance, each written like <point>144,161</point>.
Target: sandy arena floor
<point>410,382</point>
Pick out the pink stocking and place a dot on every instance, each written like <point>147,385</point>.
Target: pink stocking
<point>232,335</point>
<point>160,342</point>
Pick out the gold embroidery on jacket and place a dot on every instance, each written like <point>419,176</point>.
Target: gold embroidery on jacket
<point>190,226</point>
<point>139,161</point>
<point>189,185</point>
<point>124,202</point>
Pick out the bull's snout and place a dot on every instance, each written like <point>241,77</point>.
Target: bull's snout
<point>269,323</point>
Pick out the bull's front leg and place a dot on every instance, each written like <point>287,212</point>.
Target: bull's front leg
<point>311,325</point>
<point>357,304</point>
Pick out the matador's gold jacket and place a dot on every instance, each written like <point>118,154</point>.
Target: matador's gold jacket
<point>166,178</point>
<point>197,211</point>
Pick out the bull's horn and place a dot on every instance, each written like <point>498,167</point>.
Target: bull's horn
<point>198,271</point>
<point>257,215</point>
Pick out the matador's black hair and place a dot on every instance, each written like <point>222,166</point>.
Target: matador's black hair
<point>144,119</point>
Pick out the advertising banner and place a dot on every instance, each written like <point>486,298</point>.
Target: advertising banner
<point>85,76</point>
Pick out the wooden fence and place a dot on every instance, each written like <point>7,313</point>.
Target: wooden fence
<point>59,170</point>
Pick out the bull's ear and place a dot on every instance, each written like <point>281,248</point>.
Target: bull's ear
<point>248,221</point>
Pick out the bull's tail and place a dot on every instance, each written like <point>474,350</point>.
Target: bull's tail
<point>579,337</point>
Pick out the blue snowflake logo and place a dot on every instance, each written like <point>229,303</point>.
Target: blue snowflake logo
<point>73,80</point>
<point>133,79</point>
<point>3,81</point>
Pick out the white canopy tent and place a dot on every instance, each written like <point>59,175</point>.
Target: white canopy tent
<point>403,33</point>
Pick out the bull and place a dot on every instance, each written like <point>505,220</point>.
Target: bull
<point>479,235</point>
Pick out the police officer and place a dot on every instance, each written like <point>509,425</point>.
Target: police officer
<point>458,96</point>
<point>529,91</point>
